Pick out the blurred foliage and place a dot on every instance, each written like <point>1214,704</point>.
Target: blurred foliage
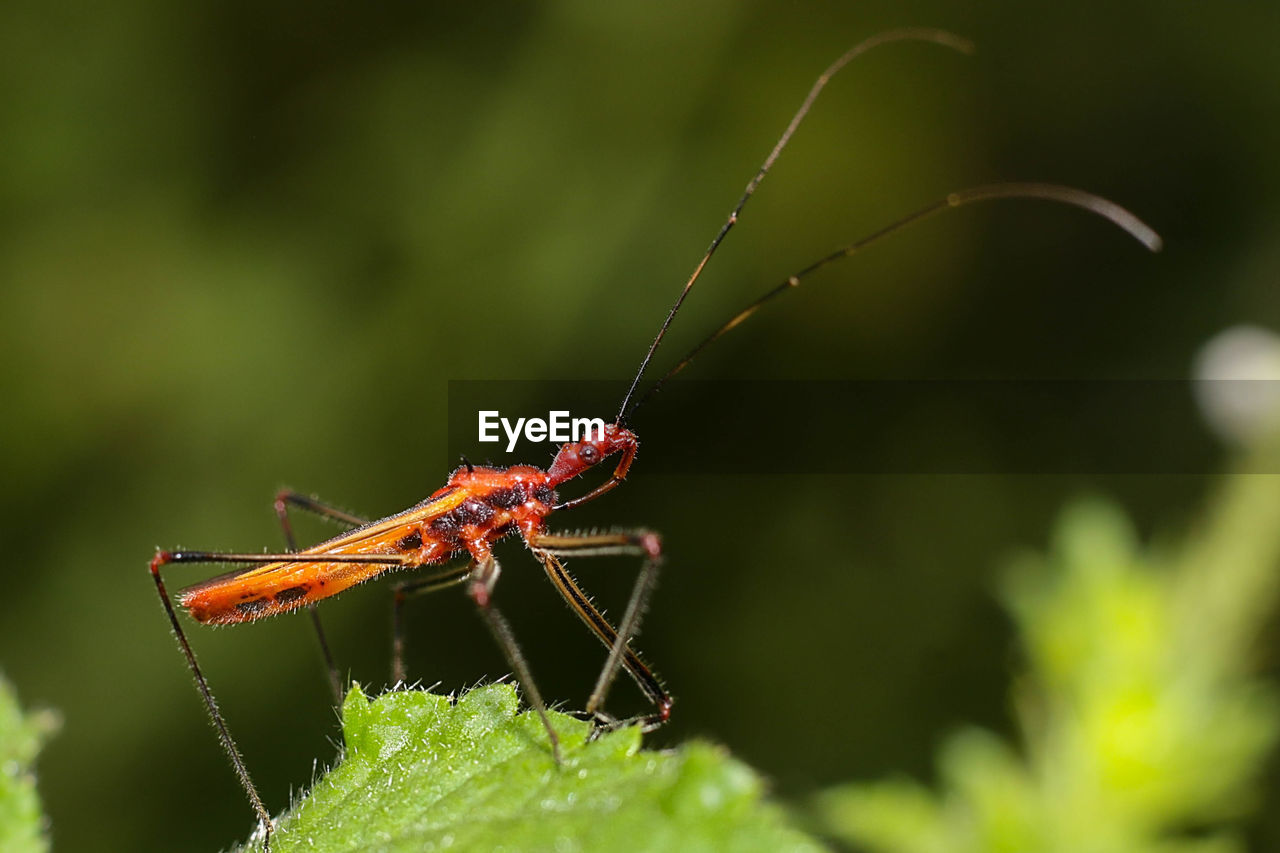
<point>1142,726</point>
<point>421,772</point>
<point>246,246</point>
<point>22,826</point>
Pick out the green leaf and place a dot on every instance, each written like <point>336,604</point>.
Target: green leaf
<point>1138,718</point>
<point>21,735</point>
<point>421,772</point>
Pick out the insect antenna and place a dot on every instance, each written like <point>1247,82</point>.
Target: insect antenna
<point>924,34</point>
<point>1105,208</point>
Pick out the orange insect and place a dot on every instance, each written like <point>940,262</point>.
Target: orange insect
<point>480,505</point>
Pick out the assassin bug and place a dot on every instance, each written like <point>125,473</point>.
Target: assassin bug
<point>480,505</point>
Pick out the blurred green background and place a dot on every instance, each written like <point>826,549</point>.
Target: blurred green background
<point>245,246</point>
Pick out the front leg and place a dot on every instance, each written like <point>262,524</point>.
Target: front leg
<point>640,543</point>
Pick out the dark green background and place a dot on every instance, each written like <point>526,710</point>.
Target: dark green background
<point>246,246</point>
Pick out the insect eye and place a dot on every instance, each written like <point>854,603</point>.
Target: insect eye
<point>589,454</point>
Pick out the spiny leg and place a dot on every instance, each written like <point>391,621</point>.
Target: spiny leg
<point>484,574</point>
<point>410,589</point>
<point>640,543</point>
<point>285,499</point>
<point>163,558</point>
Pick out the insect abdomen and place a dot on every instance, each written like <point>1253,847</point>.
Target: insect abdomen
<point>236,598</point>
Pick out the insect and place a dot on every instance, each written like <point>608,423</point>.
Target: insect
<point>479,505</point>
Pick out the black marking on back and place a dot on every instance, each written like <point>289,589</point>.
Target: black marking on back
<point>545,495</point>
<point>505,497</point>
<point>290,595</point>
<point>474,512</point>
<point>249,608</point>
<point>446,526</point>
<point>412,542</point>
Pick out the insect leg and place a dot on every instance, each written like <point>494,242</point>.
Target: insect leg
<point>484,574</point>
<point>285,499</point>
<point>224,733</point>
<point>640,543</point>
<point>411,589</point>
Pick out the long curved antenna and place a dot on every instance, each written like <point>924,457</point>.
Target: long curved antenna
<point>1105,208</point>
<point>925,34</point>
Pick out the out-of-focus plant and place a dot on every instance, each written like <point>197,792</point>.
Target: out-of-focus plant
<point>1142,727</point>
<point>22,827</point>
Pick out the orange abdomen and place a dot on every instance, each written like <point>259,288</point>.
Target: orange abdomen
<point>276,588</point>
